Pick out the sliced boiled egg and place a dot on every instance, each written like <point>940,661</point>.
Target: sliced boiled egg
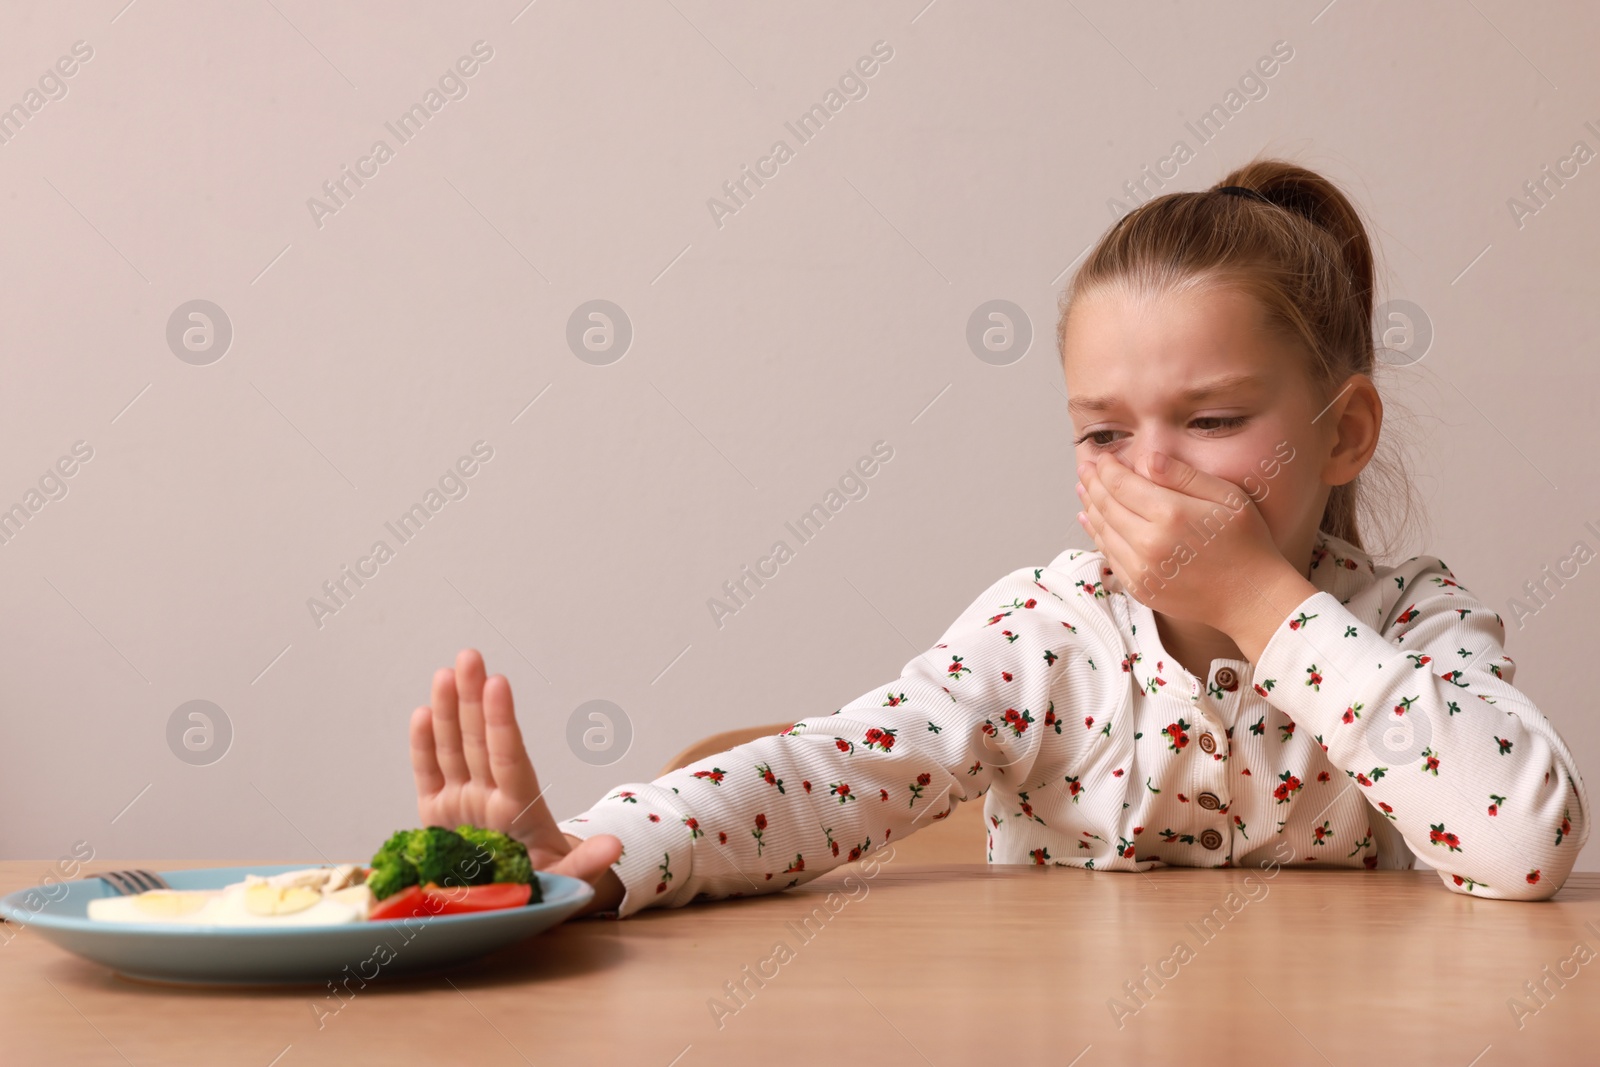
<point>156,905</point>
<point>268,905</point>
<point>254,902</point>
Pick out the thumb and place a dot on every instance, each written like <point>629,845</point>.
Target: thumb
<point>590,859</point>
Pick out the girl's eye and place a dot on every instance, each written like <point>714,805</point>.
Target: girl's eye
<point>1227,422</point>
<point>1096,442</point>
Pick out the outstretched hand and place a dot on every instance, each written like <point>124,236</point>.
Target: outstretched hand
<point>471,766</point>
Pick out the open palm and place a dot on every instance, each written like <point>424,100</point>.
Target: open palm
<point>471,766</point>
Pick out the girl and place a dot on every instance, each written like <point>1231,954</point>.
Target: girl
<point>1228,679</point>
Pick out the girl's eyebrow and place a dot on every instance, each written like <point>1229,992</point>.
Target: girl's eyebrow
<point>1212,386</point>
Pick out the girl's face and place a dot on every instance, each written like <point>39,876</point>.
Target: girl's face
<point>1197,377</point>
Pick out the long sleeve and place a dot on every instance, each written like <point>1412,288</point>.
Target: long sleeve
<point>783,809</point>
<point>1424,720</point>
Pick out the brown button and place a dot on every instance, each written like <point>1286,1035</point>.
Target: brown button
<point>1211,839</point>
<point>1209,801</point>
<point>1227,679</point>
<point>1208,743</point>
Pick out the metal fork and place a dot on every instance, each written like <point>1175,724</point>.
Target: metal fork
<point>129,882</point>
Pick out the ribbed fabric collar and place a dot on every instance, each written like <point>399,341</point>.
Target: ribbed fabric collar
<point>1336,566</point>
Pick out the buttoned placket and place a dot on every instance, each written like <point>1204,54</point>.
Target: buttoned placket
<point>1217,706</point>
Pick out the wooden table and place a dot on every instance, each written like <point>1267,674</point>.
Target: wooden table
<point>942,964</point>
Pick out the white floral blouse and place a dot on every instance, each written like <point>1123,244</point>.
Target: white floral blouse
<point>1380,722</point>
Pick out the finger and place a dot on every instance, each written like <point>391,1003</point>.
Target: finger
<point>424,760</point>
<point>590,859</point>
<point>1112,544</point>
<point>1120,491</point>
<point>469,684</point>
<point>508,755</point>
<point>447,728</point>
<point>1100,494</point>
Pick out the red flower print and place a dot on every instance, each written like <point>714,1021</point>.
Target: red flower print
<point>722,838</point>
<point>883,794</point>
<point>661,887</point>
<point>654,817</point>
<point>761,822</point>
<point>1138,829</point>
<point>1182,799</point>
<point>841,744</point>
<point>1533,877</point>
<point>1565,828</point>
<point>1290,786</point>
<point>842,791</point>
<point>1040,855</point>
<point>1117,773</point>
<point>1438,836</point>
<point>1005,676</point>
<point>1074,787</point>
<point>1177,735</point>
<point>806,786</point>
<point>1322,776</point>
<point>880,739</point>
<point>767,776</point>
<point>1030,603</point>
<point>1088,722</point>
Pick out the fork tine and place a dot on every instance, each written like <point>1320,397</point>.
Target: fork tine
<point>131,882</point>
<point>117,881</point>
<point>151,879</point>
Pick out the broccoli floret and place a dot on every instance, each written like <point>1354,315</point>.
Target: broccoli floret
<point>468,855</point>
<point>391,871</point>
<point>510,857</point>
<point>444,857</point>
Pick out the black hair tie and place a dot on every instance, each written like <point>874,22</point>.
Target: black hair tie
<point>1239,190</point>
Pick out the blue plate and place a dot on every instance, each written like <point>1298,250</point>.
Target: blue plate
<point>254,955</point>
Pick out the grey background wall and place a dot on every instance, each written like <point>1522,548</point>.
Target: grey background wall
<point>378,332</point>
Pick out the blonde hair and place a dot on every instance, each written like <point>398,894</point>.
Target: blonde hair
<point>1303,256</point>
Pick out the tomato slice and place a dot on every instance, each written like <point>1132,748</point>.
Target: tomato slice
<point>398,905</point>
<point>460,900</point>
